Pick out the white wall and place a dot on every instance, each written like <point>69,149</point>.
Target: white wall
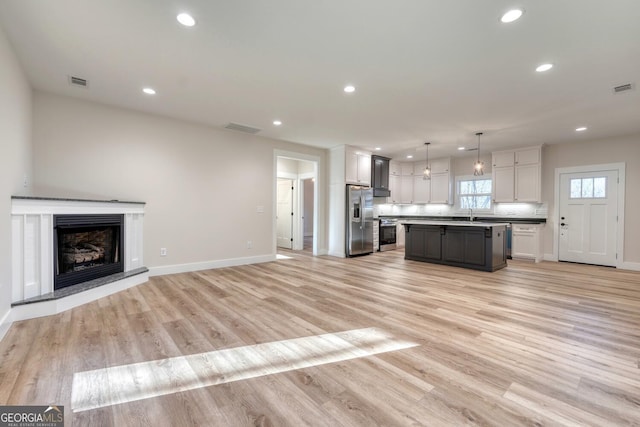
<point>15,158</point>
<point>287,168</point>
<point>202,185</point>
<point>594,152</point>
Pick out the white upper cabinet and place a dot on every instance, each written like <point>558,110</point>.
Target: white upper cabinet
<point>503,184</point>
<point>441,187</point>
<point>406,168</point>
<point>441,165</point>
<point>503,159</point>
<point>528,156</point>
<point>406,189</point>
<point>517,175</point>
<point>527,183</point>
<point>441,181</point>
<point>400,182</point>
<point>357,167</point>
<point>418,168</point>
<point>410,187</point>
<point>394,189</point>
<point>421,189</point>
<point>394,168</point>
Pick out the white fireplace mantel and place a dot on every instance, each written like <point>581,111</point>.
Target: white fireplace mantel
<point>32,239</point>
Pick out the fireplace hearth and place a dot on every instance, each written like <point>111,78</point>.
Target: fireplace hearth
<point>87,247</point>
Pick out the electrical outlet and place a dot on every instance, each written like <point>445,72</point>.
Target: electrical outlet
<point>163,251</point>
<point>249,244</point>
<point>25,182</point>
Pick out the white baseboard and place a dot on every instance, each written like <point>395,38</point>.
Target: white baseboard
<point>5,324</point>
<point>337,254</point>
<point>47,308</point>
<point>208,265</point>
<point>626,265</point>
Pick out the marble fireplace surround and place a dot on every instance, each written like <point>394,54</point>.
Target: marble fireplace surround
<point>32,254</point>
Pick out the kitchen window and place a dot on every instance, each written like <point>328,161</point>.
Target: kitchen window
<point>473,193</point>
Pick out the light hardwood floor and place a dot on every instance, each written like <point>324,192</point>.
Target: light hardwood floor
<point>531,344</point>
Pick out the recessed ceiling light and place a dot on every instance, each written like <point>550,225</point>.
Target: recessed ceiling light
<point>511,15</point>
<point>378,148</point>
<point>409,156</point>
<point>149,91</point>
<point>580,129</point>
<point>460,148</point>
<point>544,67</point>
<point>277,122</point>
<point>349,89</point>
<point>186,20</point>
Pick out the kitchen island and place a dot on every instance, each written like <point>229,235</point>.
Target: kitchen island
<point>468,244</point>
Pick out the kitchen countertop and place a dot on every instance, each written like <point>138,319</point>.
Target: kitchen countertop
<point>491,219</point>
<point>454,223</point>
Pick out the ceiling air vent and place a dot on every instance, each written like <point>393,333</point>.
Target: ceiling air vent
<point>623,88</point>
<point>242,128</point>
<point>77,81</point>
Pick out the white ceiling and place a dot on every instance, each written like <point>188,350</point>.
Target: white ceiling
<point>424,70</point>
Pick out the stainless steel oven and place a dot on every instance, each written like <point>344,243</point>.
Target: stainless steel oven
<point>387,234</point>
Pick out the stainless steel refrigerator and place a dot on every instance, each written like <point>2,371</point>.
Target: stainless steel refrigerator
<point>359,227</point>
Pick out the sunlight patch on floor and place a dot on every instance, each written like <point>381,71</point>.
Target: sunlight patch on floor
<point>280,256</point>
<point>128,383</point>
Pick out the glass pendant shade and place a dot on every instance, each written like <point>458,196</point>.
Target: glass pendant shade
<point>478,166</point>
<point>426,173</point>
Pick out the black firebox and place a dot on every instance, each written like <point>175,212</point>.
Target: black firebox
<point>87,247</point>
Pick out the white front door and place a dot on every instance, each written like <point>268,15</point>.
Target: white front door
<point>588,217</point>
<point>284,214</point>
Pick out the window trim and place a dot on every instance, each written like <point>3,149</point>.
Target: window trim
<point>460,209</point>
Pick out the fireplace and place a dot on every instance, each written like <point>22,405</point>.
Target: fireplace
<point>86,247</point>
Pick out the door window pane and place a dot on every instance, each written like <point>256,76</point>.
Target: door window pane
<point>587,188</point>
<point>576,188</point>
<point>600,187</point>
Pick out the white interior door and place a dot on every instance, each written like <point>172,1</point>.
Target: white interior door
<point>588,217</point>
<point>284,213</point>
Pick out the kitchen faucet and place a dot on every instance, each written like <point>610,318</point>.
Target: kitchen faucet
<point>470,214</point>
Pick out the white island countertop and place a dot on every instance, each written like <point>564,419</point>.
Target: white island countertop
<point>454,223</point>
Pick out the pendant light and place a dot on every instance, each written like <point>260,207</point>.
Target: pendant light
<point>426,173</point>
<point>478,167</point>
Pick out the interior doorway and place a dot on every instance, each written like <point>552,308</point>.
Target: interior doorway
<point>590,207</point>
<point>301,175</point>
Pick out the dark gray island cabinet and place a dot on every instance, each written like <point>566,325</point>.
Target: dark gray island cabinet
<point>476,245</point>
